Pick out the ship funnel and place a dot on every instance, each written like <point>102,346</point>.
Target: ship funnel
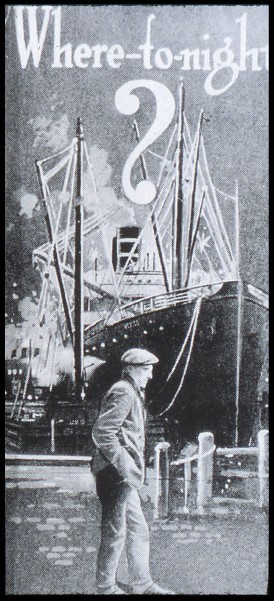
<point>122,246</point>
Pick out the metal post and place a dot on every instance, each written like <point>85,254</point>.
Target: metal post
<point>263,463</point>
<point>177,217</point>
<point>161,480</point>
<point>166,480</point>
<point>187,481</point>
<point>157,482</point>
<point>78,290</point>
<point>205,468</point>
<point>52,436</point>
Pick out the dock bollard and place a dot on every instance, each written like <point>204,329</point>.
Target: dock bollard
<point>205,468</point>
<point>263,460</point>
<point>161,480</point>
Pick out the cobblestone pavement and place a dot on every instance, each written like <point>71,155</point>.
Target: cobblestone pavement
<point>53,527</point>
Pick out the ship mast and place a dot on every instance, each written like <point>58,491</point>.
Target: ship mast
<point>78,289</point>
<point>190,235</point>
<point>177,264</point>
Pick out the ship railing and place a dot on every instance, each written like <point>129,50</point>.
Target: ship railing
<point>154,303</point>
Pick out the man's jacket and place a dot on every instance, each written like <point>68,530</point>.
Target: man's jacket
<point>119,433</point>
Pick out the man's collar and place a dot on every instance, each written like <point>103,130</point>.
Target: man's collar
<point>134,383</point>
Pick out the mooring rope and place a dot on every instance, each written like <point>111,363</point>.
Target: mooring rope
<point>185,462</point>
<point>196,308</point>
<point>194,457</point>
<point>191,332</point>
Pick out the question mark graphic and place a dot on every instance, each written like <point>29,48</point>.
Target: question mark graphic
<point>127,104</point>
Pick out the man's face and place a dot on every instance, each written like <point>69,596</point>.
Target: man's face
<point>142,374</point>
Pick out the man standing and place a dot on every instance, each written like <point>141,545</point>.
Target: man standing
<point>118,464</point>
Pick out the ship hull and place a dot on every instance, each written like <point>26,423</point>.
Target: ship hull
<point>214,386</point>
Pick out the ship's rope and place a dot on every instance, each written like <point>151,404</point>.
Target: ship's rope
<point>163,218</point>
<point>215,218</point>
<point>91,224</point>
<point>50,204</point>
<point>68,170</point>
<point>186,462</point>
<point>226,196</point>
<point>192,329</point>
<point>218,212</point>
<point>183,346</point>
<point>59,153</point>
<point>165,159</point>
<point>52,172</point>
<point>196,309</point>
<point>103,228</point>
<point>54,236</point>
<point>66,242</point>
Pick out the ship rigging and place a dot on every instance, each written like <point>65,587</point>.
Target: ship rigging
<point>170,282</point>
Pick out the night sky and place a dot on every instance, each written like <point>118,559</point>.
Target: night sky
<point>43,103</point>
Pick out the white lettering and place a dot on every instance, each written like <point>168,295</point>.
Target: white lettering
<point>57,50</point>
<point>206,64</point>
<point>98,50</point>
<point>81,52</point>
<point>115,53</point>
<point>266,51</point>
<point>36,43</point>
<point>160,62</point>
<point>218,65</point>
<point>244,53</point>
<point>186,54</point>
<point>146,47</point>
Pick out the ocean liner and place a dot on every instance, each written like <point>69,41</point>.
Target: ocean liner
<point>168,281</point>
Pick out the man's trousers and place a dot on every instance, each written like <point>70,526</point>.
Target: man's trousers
<point>123,523</point>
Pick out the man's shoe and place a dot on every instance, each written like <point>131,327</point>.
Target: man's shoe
<point>111,591</point>
<point>155,589</point>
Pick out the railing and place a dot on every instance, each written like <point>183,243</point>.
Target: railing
<point>155,303</point>
<point>206,451</point>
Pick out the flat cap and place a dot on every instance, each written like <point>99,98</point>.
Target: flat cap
<point>138,356</point>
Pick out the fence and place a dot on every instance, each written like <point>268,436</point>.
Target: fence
<point>206,452</point>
